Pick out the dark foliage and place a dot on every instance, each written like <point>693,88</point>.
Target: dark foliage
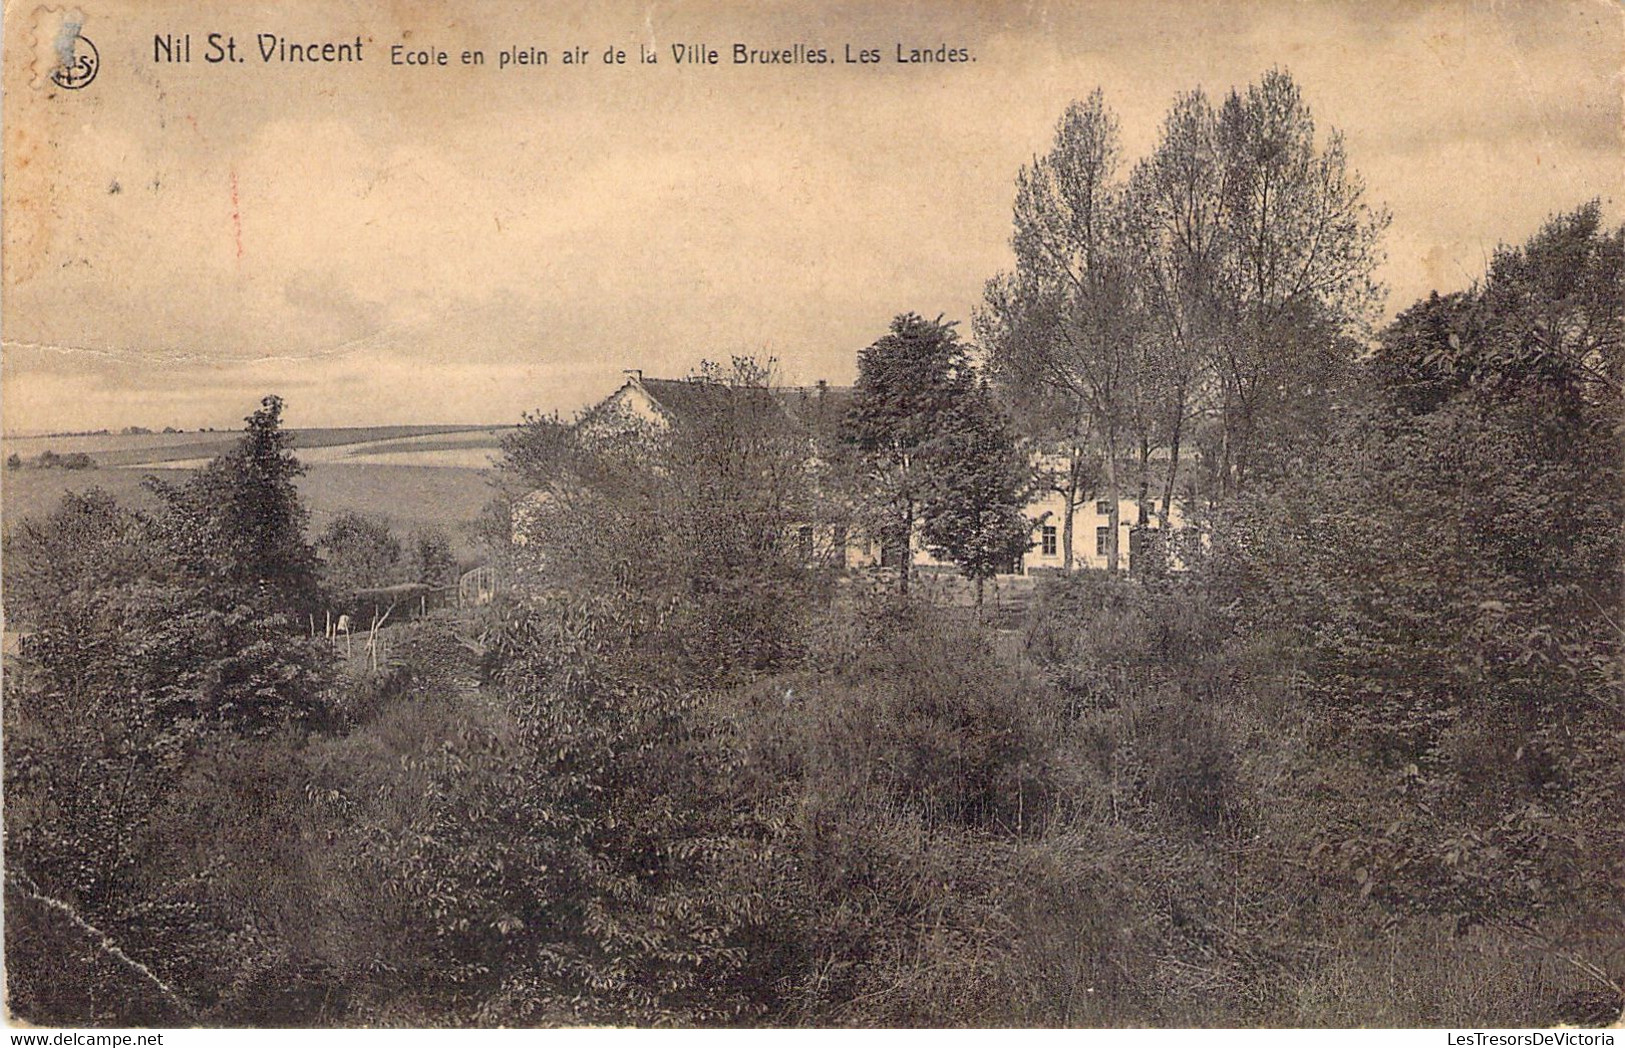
<point>1453,609</point>
<point>683,779</point>
<point>696,517</point>
<point>359,551</point>
<point>935,453</point>
<point>238,524</point>
<point>981,478</point>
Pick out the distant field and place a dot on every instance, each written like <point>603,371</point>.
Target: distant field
<point>29,447</point>
<point>465,449</point>
<point>456,458</point>
<point>411,496</point>
<point>115,449</point>
<point>26,493</point>
<point>417,476</point>
<point>481,439</point>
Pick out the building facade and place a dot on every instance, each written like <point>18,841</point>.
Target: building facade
<point>645,408</point>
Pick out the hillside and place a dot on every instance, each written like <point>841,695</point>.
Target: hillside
<point>417,476</point>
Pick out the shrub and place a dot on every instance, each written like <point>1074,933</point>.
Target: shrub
<point>429,661</point>
<point>927,717</point>
<point>639,905</point>
<point>1101,637</point>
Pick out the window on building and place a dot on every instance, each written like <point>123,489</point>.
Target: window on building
<point>1103,507</point>
<point>1100,540</point>
<point>804,542</point>
<point>1049,540</point>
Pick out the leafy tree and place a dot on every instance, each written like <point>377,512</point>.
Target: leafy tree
<point>1067,325</point>
<point>125,669</point>
<point>430,560</point>
<point>1212,297</point>
<point>239,523</point>
<point>909,383</point>
<point>1050,419</point>
<point>1460,520</point>
<point>359,552</point>
<point>972,513</point>
<point>534,454</point>
<point>1176,208</point>
<point>87,542</point>
<point>739,471</point>
<point>1423,358</point>
<point>1300,245</point>
<point>234,633</point>
<point>694,515</point>
<point>1431,609</point>
<point>1553,311</point>
<point>1544,325</point>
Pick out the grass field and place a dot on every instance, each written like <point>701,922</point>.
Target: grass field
<point>481,439</point>
<point>417,476</point>
<point>116,449</point>
<point>26,493</point>
<point>411,496</point>
<point>447,498</point>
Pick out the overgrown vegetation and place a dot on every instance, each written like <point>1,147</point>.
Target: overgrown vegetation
<point>1357,765</point>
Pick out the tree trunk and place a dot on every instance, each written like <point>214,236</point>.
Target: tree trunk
<point>1239,449</point>
<point>1111,496</point>
<point>1143,518</point>
<point>1226,429</point>
<point>1173,471</point>
<point>1142,495</point>
<point>907,540</point>
<point>980,582</point>
<point>1069,511</point>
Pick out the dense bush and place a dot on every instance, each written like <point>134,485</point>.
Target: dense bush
<point>1360,765</point>
<point>907,775</point>
<point>1451,615</point>
<point>924,716</point>
<point>1100,637</point>
<point>51,460</point>
<point>1125,814</point>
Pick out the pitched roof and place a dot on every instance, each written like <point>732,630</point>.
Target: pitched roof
<point>820,408</point>
<point>689,400</point>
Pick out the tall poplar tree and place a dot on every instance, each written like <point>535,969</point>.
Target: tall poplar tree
<point>1063,328</point>
<point>1299,247</point>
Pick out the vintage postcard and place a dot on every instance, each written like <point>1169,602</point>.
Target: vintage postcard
<point>814,514</point>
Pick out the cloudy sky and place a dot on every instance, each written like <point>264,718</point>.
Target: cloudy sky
<point>380,243</point>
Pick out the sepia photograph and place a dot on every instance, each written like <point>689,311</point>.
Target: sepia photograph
<point>808,515</point>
